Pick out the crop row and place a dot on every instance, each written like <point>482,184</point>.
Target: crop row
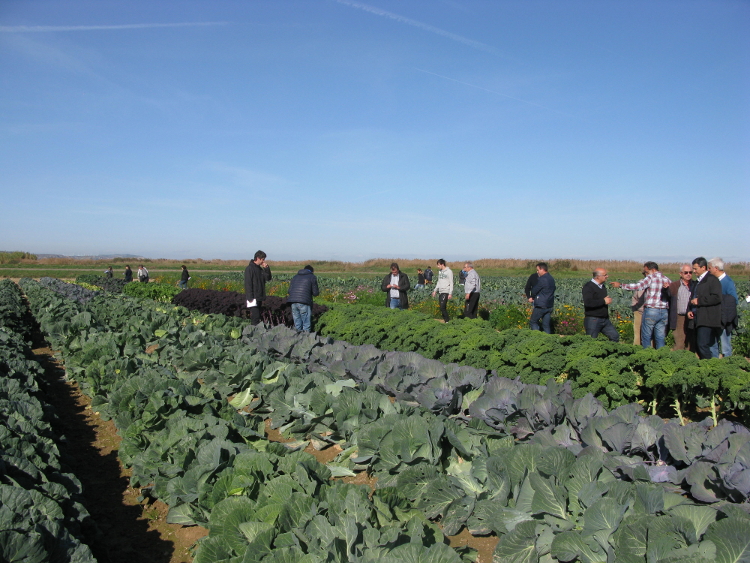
<point>588,485</point>
<point>40,516</point>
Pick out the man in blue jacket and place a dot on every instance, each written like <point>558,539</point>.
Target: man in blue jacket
<point>728,308</point>
<point>302,289</point>
<point>543,298</point>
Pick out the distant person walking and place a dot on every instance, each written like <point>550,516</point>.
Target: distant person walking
<point>184,277</point>
<point>543,298</point>
<point>530,283</point>
<point>257,273</point>
<point>420,279</point>
<point>428,276</point>
<point>444,287</point>
<point>128,274</point>
<point>472,285</point>
<point>596,307</point>
<point>302,289</point>
<point>142,274</point>
<point>395,285</point>
<point>656,308</point>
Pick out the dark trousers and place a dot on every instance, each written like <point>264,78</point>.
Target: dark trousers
<point>595,325</point>
<point>472,304</point>
<point>541,319</point>
<point>706,337</point>
<point>255,313</point>
<point>443,300</point>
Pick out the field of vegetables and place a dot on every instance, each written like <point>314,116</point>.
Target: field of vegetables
<point>533,459</point>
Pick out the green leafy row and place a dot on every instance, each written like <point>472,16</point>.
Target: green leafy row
<point>213,466</point>
<point>40,518</point>
<point>616,374</point>
<point>544,501</point>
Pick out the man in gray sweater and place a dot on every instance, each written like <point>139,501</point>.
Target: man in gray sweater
<point>444,287</point>
<point>472,286</point>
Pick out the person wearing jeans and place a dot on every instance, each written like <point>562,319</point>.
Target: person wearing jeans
<point>728,308</point>
<point>654,325</point>
<point>656,309</point>
<point>395,285</point>
<point>543,298</point>
<point>302,289</point>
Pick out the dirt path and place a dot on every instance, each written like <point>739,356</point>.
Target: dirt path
<point>121,529</point>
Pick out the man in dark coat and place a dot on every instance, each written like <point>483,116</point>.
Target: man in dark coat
<point>302,289</point>
<point>395,285</point>
<point>543,298</point>
<point>706,308</point>
<point>257,274</point>
<point>596,307</point>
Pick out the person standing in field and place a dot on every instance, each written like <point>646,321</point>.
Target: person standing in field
<point>428,276</point>
<point>472,285</point>
<point>128,274</point>
<point>302,289</point>
<point>680,292</point>
<point>596,307</point>
<point>543,298</point>
<point>656,309</point>
<point>109,272</point>
<point>728,307</point>
<point>184,277</point>
<point>530,283</point>
<point>705,308</point>
<point>142,274</point>
<point>420,279</point>
<point>444,287</point>
<point>395,285</point>
<point>257,273</point>
<point>637,304</point>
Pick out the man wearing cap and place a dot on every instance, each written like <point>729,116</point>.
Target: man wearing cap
<point>302,289</point>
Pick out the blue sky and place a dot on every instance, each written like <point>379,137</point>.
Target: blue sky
<point>338,129</point>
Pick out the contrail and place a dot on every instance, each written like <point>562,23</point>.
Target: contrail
<point>488,90</point>
<point>52,28</point>
<point>420,25</point>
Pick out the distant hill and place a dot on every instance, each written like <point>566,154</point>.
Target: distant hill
<point>97,257</point>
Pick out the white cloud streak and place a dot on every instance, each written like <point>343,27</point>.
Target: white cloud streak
<point>420,25</point>
<point>488,90</point>
<point>55,28</point>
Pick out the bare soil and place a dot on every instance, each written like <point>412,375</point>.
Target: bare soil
<point>121,529</point>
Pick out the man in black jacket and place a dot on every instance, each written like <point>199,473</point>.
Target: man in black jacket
<point>543,298</point>
<point>257,274</point>
<point>706,308</point>
<point>596,307</point>
<point>302,289</point>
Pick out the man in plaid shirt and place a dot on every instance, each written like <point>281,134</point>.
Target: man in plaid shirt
<point>656,309</point>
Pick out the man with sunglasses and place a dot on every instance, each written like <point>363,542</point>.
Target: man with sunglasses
<point>679,304</point>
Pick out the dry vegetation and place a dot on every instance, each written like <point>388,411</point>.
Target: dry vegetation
<point>522,265</point>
